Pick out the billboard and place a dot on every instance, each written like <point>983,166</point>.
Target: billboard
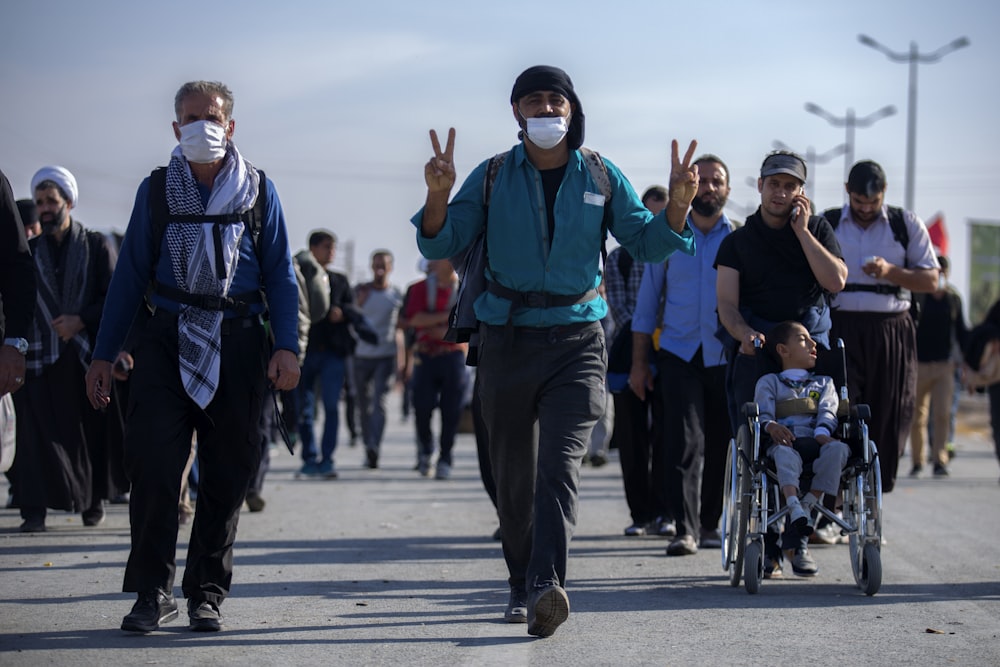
<point>984,267</point>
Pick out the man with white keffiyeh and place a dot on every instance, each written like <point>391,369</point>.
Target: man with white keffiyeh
<point>201,359</point>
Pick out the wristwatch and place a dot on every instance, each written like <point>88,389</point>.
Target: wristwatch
<point>19,344</point>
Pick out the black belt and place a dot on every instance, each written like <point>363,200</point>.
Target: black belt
<point>521,300</point>
<point>229,325</point>
<point>239,303</point>
<point>894,290</point>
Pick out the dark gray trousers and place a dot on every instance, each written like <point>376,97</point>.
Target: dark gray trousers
<point>541,393</point>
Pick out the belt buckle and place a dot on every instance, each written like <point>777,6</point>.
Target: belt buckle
<point>537,300</point>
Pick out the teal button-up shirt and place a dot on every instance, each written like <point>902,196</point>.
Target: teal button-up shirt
<point>521,255</point>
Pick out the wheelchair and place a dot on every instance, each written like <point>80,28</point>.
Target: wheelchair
<point>752,504</point>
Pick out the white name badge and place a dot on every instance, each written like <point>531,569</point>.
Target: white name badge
<point>593,198</point>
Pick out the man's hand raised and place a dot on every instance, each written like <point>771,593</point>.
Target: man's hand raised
<point>683,185</point>
<point>683,175</point>
<point>439,172</point>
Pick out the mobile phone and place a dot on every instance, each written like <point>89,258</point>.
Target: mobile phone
<point>123,366</point>
<point>795,213</point>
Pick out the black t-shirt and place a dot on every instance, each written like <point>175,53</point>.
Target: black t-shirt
<point>551,180</point>
<point>941,325</point>
<point>776,282</point>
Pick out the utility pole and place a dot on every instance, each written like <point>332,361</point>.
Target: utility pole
<point>913,57</point>
<point>850,121</point>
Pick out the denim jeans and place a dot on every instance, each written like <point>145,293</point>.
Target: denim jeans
<point>327,370</point>
<point>371,378</point>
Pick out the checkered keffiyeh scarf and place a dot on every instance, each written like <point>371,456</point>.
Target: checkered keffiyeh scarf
<point>193,261</point>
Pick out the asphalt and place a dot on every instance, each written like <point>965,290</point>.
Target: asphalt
<point>386,567</point>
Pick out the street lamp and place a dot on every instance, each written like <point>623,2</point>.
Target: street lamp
<point>812,159</point>
<point>850,121</point>
<point>913,57</point>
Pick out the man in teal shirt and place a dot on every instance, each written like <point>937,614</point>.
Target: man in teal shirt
<point>542,354</point>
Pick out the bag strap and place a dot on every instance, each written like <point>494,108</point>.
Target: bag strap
<point>599,172</point>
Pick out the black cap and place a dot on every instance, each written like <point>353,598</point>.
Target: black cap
<point>28,211</point>
<point>546,77</point>
<point>866,178</point>
<point>783,162</point>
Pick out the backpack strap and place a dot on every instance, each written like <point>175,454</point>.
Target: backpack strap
<point>492,168</point>
<point>599,172</point>
<point>832,216</point>
<point>899,231</point>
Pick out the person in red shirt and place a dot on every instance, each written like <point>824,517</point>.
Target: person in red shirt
<point>437,367</point>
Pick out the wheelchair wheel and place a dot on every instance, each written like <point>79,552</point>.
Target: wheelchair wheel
<point>864,499</point>
<point>870,576</point>
<point>733,536</point>
<point>753,566</point>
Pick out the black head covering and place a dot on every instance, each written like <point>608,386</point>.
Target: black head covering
<point>28,211</point>
<point>545,77</point>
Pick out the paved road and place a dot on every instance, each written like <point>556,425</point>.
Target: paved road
<point>385,567</point>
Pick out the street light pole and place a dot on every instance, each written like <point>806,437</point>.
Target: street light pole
<point>913,58</point>
<point>812,159</point>
<point>850,121</point>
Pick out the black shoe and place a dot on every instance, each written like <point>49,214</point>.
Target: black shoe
<point>153,608</point>
<point>371,459</point>
<point>517,606</point>
<point>548,610</point>
<point>204,616</point>
<point>33,525</point>
<point>93,516</point>
<point>940,470</point>
<point>916,470</point>
<point>255,502</point>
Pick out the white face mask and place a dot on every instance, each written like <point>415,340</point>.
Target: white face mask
<point>203,141</point>
<point>547,132</point>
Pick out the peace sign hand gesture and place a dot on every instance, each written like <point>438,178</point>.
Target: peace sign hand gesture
<point>683,185</point>
<point>439,172</point>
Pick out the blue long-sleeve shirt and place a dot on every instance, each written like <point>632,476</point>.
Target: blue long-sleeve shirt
<point>135,269</point>
<point>690,317</point>
<point>521,255</point>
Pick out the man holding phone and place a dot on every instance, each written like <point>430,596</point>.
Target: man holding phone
<point>777,267</point>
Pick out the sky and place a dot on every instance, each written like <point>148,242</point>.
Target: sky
<point>334,100</point>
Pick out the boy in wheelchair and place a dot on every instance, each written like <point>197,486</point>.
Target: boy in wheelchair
<point>798,413</point>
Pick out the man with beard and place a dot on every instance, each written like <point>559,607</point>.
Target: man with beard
<point>691,359</point>
<point>62,453</point>
<point>542,355</point>
<point>779,266</point>
<point>889,256</point>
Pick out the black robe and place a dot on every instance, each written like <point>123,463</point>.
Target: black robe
<point>62,454</point>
